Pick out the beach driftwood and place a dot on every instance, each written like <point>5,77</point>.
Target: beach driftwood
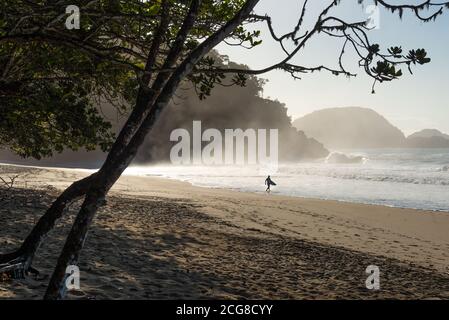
<point>12,270</point>
<point>10,184</point>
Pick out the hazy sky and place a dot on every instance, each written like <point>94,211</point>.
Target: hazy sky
<point>412,103</point>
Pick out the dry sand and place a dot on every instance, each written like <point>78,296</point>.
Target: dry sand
<point>162,239</point>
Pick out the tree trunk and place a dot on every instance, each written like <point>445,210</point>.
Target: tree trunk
<point>108,175</point>
<point>19,262</point>
<point>70,253</point>
<point>23,257</point>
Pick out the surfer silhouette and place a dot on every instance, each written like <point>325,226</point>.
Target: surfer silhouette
<point>269,183</point>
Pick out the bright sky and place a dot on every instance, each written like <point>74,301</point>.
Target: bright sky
<point>413,103</point>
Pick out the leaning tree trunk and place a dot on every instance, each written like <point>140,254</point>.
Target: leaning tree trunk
<point>18,263</point>
<point>108,175</point>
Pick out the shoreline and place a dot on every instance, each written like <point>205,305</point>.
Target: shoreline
<point>273,194</point>
<point>140,209</point>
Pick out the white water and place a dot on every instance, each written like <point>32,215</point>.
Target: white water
<point>408,178</point>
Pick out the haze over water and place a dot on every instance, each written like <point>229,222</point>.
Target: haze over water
<point>407,178</point>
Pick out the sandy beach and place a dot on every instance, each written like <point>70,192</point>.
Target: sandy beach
<point>160,239</point>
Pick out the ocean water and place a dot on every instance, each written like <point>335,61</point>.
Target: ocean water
<point>407,178</point>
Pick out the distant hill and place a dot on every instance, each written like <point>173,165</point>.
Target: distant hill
<point>350,127</point>
<point>428,138</point>
<point>429,133</point>
<point>222,110</point>
<point>231,108</point>
<point>227,108</point>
